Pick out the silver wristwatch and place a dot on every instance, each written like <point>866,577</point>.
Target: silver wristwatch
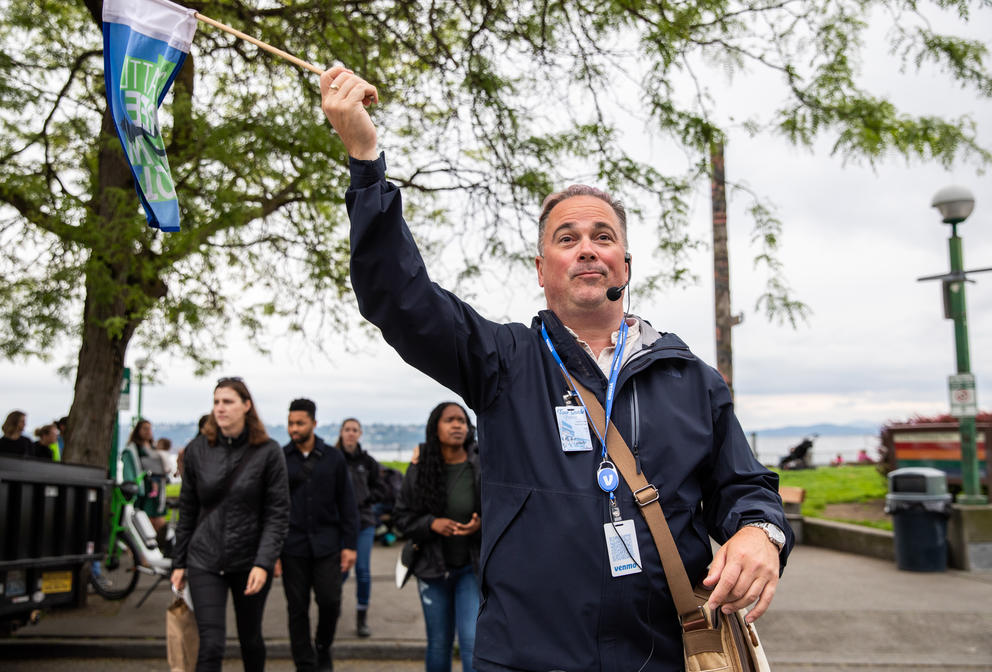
<point>775,534</point>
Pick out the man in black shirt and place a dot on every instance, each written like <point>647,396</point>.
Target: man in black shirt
<point>323,531</point>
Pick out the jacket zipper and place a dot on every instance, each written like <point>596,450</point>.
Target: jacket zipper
<point>635,425</point>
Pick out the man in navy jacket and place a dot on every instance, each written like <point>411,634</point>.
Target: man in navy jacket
<point>550,596</point>
<point>323,536</point>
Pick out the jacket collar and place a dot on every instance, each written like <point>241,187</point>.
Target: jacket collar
<point>233,441</point>
<point>318,447</point>
<point>654,345</point>
<point>357,455</point>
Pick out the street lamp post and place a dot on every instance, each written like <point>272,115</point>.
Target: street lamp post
<point>956,205</point>
<point>142,364</point>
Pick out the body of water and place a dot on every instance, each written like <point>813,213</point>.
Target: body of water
<point>771,449</point>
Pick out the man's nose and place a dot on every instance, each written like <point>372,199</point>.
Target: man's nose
<point>587,251</point>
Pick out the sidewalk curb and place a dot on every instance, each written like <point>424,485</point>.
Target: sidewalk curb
<point>154,647</point>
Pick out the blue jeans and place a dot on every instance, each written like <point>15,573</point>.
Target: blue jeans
<point>449,603</point>
<point>363,567</point>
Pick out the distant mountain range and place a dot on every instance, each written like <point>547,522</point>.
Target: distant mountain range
<point>858,429</point>
<point>380,438</point>
<point>384,439</point>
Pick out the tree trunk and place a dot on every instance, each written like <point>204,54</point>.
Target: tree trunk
<point>98,385</point>
<point>107,323</point>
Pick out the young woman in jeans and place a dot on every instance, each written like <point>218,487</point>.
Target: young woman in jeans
<point>233,519</point>
<point>364,472</point>
<point>438,509</point>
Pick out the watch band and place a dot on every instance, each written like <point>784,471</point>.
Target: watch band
<point>773,531</point>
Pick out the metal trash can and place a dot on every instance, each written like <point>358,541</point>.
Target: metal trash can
<point>920,505</point>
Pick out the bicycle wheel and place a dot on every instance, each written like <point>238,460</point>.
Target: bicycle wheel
<point>115,577</point>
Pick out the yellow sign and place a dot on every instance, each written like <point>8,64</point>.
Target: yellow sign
<point>56,582</point>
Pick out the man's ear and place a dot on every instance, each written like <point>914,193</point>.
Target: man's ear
<point>539,264</point>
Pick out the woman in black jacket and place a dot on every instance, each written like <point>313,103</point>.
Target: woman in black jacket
<point>233,518</point>
<point>364,472</point>
<point>438,509</point>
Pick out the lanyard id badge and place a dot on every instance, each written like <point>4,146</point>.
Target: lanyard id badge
<point>621,544</point>
<point>573,429</point>
<point>568,426</point>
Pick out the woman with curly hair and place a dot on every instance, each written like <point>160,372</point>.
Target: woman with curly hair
<point>438,509</point>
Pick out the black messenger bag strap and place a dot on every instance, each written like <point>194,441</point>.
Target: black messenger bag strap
<point>646,496</point>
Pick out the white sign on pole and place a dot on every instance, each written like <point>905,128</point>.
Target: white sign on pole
<point>961,388</point>
<point>124,402</point>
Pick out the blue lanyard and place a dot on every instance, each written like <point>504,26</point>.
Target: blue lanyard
<point>611,386</point>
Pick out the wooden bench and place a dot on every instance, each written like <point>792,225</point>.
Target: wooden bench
<point>792,502</point>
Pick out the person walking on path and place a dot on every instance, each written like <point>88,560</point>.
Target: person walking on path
<point>140,456</point>
<point>47,440</point>
<point>569,565</point>
<point>365,481</point>
<point>233,518</point>
<point>323,531</point>
<point>14,443</point>
<point>438,510</point>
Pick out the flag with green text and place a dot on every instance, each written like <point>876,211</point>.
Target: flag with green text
<point>144,45</point>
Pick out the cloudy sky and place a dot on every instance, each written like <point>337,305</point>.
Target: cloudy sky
<point>876,346</point>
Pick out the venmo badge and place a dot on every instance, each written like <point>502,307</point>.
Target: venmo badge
<point>607,476</point>
<point>621,544</point>
<point>573,429</point>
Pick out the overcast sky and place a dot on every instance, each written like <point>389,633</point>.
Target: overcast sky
<point>876,346</point>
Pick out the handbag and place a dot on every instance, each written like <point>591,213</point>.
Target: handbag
<point>182,640</point>
<point>405,562</point>
<point>710,639</point>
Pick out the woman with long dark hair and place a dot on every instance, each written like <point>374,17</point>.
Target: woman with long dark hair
<point>233,519</point>
<point>139,455</point>
<point>438,509</point>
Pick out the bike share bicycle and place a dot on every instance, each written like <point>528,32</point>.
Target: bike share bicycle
<point>132,548</point>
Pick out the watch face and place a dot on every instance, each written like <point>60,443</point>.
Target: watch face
<point>774,534</point>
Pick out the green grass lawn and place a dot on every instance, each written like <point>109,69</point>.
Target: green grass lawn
<point>393,464</point>
<point>836,485</point>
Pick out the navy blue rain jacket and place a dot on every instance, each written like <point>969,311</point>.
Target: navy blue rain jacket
<point>548,599</point>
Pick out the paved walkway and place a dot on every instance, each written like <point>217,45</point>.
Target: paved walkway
<point>832,611</point>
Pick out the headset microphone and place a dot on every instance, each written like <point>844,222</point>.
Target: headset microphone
<point>614,293</point>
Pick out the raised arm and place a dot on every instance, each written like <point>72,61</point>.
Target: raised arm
<point>431,329</point>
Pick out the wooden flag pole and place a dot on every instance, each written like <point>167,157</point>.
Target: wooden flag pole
<point>258,43</point>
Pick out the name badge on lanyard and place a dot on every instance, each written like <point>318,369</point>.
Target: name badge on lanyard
<point>573,429</point>
<point>621,544</point>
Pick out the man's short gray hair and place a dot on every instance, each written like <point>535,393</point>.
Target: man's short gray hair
<point>578,190</point>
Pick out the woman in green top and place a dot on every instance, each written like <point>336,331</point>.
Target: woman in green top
<point>139,455</point>
<point>438,509</point>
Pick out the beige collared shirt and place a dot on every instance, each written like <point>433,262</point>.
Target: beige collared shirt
<point>605,358</point>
